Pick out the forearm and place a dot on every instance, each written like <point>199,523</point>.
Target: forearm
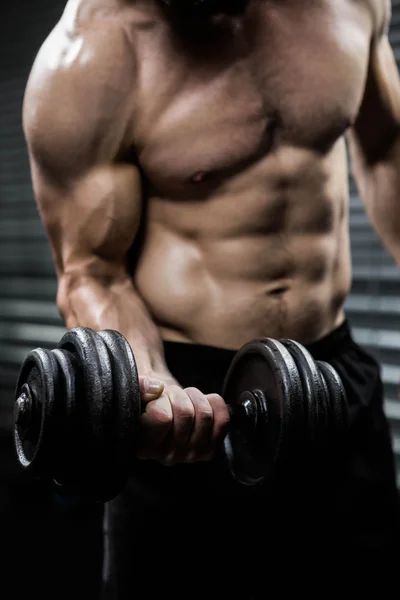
<point>89,302</point>
<point>378,184</point>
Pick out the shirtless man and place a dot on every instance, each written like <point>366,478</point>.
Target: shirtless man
<point>189,164</point>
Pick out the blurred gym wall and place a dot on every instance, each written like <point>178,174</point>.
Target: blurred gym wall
<point>374,304</point>
<point>47,548</point>
<point>28,314</point>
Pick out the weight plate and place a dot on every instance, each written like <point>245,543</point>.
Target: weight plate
<point>267,366</point>
<point>95,407</point>
<point>69,423</point>
<point>326,400</point>
<point>35,439</point>
<point>337,400</point>
<point>313,391</point>
<point>126,401</point>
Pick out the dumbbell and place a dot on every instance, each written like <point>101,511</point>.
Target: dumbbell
<point>77,410</point>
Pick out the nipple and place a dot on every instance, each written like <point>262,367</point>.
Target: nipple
<point>199,176</point>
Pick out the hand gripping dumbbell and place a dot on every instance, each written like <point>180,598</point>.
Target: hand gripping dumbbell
<point>77,410</point>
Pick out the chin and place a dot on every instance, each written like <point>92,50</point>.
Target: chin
<point>204,9</point>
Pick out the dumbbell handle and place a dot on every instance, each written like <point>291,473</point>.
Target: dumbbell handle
<point>245,414</point>
<point>248,411</point>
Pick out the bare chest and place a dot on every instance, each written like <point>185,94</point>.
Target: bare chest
<point>292,75</point>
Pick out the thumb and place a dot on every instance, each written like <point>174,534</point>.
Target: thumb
<point>150,388</point>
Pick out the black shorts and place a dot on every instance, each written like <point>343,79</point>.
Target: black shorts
<point>191,531</point>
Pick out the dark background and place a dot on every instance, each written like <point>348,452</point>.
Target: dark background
<point>48,547</point>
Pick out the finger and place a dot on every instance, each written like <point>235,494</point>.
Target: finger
<point>155,424</point>
<point>221,420</point>
<point>176,443</point>
<point>150,388</point>
<point>199,443</point>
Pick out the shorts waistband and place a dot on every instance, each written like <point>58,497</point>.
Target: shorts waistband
<point>330,345</point>
<point>197,357</point>
<point>333,343</point>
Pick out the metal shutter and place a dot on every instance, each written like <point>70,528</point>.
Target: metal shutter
<point>373,306</point>
<point>60,544</point>
<point>28,316</point>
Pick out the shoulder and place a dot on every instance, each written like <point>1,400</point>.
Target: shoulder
<point>80,89</point>
<point>87,55</point>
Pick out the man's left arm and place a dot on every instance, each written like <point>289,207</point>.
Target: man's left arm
<point>374,142</point>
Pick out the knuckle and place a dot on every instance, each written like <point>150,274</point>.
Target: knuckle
<point>165,418</point>
<point>205,413</point>
<point>215,399</point>
<point>173,390</point>
<point>160,414</point>
<point>192,390</point>
<point>201,402</point>
<point>187,410</point>
<point>181,402</point>
<point>194,394</point>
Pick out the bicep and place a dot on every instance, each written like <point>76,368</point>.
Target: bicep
<point>75,120</point>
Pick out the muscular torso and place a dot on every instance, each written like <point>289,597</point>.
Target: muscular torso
<point>239,135</point>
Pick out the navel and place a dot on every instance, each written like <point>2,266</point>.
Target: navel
<point>278,291</point>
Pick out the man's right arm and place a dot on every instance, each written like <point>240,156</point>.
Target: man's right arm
<point>77,111</point>
<point>76,114</point>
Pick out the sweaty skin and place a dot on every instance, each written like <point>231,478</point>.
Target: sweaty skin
<point>192,177</point>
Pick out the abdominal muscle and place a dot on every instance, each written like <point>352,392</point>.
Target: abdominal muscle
<point>257,257</point>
